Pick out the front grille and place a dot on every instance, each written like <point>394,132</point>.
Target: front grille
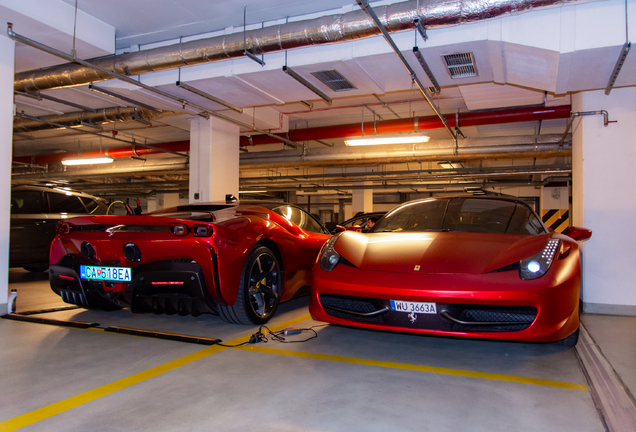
<point>475,318</point>
<point>511,319</point>
<point>337,305</point>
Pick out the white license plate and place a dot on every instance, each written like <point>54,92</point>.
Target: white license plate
<point>107,274</point>
<point>415,307</point>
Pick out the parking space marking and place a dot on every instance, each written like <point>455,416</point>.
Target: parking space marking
<point>419,368</point>
<point>91,395</point>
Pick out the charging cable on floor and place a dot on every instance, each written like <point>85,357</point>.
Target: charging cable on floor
<point>278,336</point>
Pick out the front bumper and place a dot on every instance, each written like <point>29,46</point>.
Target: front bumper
<point>545,309</point>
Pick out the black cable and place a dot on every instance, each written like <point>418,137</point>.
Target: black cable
<point>277,336</point>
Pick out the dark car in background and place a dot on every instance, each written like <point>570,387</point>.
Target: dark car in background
<point>35,211</point>
<point>361,221</point>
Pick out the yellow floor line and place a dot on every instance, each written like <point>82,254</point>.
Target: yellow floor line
<point>91,395</point>
<point>419,368</point>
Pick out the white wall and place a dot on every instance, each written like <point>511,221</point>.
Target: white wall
<point>604,198</point>
<point>7,55</point>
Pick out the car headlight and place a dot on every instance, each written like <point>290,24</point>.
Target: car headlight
<point>329,258</point>
<point>538,265</point>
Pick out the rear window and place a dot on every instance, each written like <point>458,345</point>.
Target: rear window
<point>463,215</point>
<point>62,203</point>
<point>91,204</point>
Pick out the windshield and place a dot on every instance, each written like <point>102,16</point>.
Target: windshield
<point>462,215</point>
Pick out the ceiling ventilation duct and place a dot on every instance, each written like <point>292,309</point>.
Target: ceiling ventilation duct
<point>85,118</point>
<point>334,80</point>
<point>327,29</point>
<point>460,65</point>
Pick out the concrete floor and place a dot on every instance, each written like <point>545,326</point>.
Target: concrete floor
<point>64,379</point>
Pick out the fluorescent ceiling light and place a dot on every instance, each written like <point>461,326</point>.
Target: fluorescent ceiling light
<point>450,165</point>
<point>87,161</point>
<point>252,191</point>
<point>415,139</point>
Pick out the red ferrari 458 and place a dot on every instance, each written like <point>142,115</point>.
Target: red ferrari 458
<point>237,260</point>
<point>463,266</point>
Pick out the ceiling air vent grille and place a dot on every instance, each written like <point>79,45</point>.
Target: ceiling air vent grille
<point>461,65</point>
<point>334,80</point>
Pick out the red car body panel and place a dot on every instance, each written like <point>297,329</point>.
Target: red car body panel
<point>236,230</point>
<point>456,271</point>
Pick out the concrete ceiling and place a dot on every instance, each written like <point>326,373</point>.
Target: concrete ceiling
<point>532,58</point>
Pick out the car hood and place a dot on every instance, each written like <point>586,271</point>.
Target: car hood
<point>437,252</point>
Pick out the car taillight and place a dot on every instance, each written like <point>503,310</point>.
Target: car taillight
<point>202,231</point>
<point>178,229</point>
<point>64,228</point>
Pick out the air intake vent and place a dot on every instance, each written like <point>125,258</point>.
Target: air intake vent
<point>334,80</point>
<point>461,65</point>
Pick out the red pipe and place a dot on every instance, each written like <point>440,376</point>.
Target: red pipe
<point>118,152</point>
<point>514,115</point>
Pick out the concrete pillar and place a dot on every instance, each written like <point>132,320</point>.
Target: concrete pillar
<point>555,205</point>
<point>603,199</point>
<point>7,61</point>
<point>166,200</point>
<point>214,160</point>
<point>362,200</point>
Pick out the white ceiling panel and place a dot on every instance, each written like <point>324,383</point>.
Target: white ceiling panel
<point>488,96</point>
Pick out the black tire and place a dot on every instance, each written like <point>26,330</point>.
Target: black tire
<point>36,268</point>
<point>259,290</point>
<point>569,341</point>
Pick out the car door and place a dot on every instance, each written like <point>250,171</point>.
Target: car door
<point>29,241</point>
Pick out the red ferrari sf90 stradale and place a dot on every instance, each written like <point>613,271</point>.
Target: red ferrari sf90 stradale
<point>238,260</point>
<point>463,266</point>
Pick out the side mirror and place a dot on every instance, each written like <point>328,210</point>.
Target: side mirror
<point>578,233</point>
<point>339,229</point>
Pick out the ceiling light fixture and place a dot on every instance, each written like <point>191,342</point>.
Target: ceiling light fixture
<point>450,165</point>
<point>87,161</point>
<point>414,139</point>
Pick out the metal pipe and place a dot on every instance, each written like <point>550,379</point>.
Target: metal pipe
<point>118,152</point>
<point>364,5</point>
<point>423,173</point>
<point>478,118</point>
<point>327,29</point>
<point>203,112</point>
<point>105,115</point>
<point>604,113</point>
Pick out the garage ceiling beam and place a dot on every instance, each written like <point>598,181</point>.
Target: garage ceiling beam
<point>364,4</point>
<point>120,97</point>
<point>110,137</point>
<point>40,96</point>
<point>203,112</point>
<point>306,83</point>
<point>208,96</point>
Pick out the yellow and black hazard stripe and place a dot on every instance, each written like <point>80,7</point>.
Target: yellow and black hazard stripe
<point>557,219</point>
